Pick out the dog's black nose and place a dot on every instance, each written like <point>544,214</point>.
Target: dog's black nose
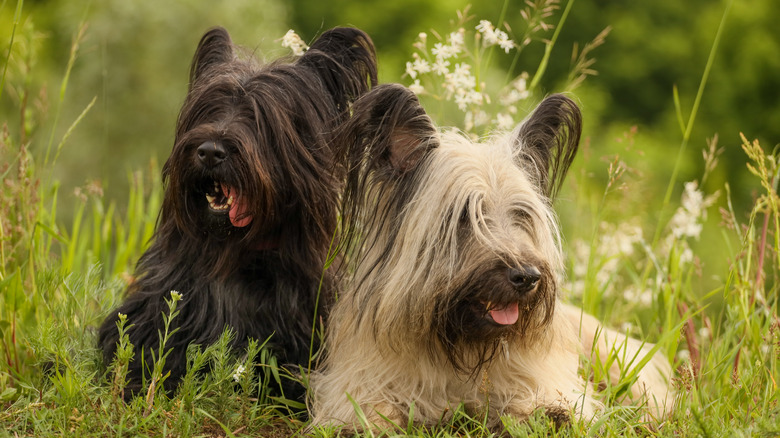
<point>524,278</point>
<point>211,153</point>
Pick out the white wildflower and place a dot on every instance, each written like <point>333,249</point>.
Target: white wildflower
<point>440,67</point>
<point>475,97</point>
<point>488,32</point>
<point>461,76</point>
<point>490,39</point>
<point>421,66</point>
<point>475,118</point>
<point>693,198</point>
<point>484,26</point>
<point>513,96</point>
<point>422,39</point>
<point>641,296</point>
<point>238,373</point>
<point>443,51</point>
<point>517,91</point>
<point>504,42</point>
<point>416,88</point>
<point>686,221</point>
<point>176,296</point>
<point>619,241</point>
<point>504,121</point>
<point>614,245</point>
<point>410,70</point>
<point>456,40</point>
<point>686,256</point>
<point>684,225</point>
<point>462,100</point>
<point>492,36</point>
<point>465,97</point>
<point>481,118</point>
<point>520,83</point>
<point>294,42</point>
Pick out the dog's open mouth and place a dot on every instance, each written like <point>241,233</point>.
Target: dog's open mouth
<point>223,198</point>
<point>218,201</point>
<point>502,314</point>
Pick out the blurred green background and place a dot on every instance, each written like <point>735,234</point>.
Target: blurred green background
<point>134,57</point>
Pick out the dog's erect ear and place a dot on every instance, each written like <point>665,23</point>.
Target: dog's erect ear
<point>548,141</point>
<point>380,145</point>
<point>389,131</point>
<point>215,48</point>
<point>345,59</point>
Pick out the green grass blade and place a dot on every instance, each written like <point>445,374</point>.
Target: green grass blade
<point>548,48</point>
<point>696,102</point>
<point>17,17</point>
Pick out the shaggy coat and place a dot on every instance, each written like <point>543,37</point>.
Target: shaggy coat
<point>453,297</point>
<point>250,204</point>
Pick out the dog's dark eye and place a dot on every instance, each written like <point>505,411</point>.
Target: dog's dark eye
<point>521,218</point>
<point>470,207</point>
<point>230,145</point>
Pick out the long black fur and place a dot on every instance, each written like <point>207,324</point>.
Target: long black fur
<point>275,124</point>
<point>551,137</point>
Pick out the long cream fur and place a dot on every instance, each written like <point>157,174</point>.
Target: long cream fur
<point>380,359</point>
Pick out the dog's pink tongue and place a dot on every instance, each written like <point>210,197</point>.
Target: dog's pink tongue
<point>506,316</point>
<point>238,215</point>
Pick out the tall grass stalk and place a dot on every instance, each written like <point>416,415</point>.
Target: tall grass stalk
<point>74,49</point>
<point>687,128</point>
<point>549,46</point>
<point>17,17</point>
<point>671,299</point>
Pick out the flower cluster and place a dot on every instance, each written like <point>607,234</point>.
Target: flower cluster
<point>603,257</point>
<point>615,244</point>
<point>510,96</point>
<point>687,221</point>
<point>240,370</point>
<point>492,36</point>
<point>449,69</point>
<point>459,82</point>
<point>292,41</point>
<point>516,91</point>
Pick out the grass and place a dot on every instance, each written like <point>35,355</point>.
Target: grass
<point>58,278</point>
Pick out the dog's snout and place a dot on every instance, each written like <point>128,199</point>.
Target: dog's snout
<point>524,278</point>
<point>211,153</point>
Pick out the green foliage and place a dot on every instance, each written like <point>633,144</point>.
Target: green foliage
<point>712,309</point>
<point>132,60</point>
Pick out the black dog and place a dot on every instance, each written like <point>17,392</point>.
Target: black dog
<point>250,205</point>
